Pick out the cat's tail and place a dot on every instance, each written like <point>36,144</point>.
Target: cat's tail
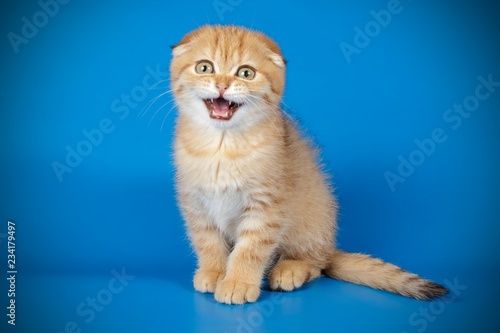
<point>363,269</point>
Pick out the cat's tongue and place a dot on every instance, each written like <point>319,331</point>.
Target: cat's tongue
<point>221,106</point>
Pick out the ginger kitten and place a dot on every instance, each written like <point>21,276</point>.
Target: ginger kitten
<point>249,186</point>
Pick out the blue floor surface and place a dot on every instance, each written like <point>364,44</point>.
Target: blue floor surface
<point>166,302</point>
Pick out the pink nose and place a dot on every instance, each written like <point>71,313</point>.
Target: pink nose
<point>221,90</point>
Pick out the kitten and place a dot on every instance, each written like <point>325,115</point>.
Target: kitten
<point>249,186</point>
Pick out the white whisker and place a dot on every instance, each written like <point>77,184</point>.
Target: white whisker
<point>188,94</point>
<point>150,103</point>
<point>157,83</point>
<point>270,104</point>
<point>262,111</point>
<point>165,118</point>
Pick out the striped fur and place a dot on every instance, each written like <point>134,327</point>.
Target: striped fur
<point>363,269</point>
<point>250,188</point>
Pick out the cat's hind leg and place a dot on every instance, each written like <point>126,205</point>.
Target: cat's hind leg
<point>288,274</point>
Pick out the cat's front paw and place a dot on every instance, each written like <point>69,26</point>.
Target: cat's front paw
<point>205,281</point>
<point>230,291</point>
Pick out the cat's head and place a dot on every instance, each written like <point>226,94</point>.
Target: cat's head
<point>227,76</point>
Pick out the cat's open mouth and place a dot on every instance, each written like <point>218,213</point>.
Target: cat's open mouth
<point>221,108</point>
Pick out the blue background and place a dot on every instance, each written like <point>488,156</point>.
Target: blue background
<point>116,209</point>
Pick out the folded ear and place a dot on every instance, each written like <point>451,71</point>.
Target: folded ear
<point>179,49</point>
<point>274,52</point>
<point>277,59</point>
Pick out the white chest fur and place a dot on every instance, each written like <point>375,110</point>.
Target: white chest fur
<point>219,176</point>
<point>217,188</point>
<point>224,208</point>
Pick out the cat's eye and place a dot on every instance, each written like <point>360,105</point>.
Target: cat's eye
<point>204,67</point>
<point>246,73</point>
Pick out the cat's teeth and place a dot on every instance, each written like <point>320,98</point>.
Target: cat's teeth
<point>211,100</point>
